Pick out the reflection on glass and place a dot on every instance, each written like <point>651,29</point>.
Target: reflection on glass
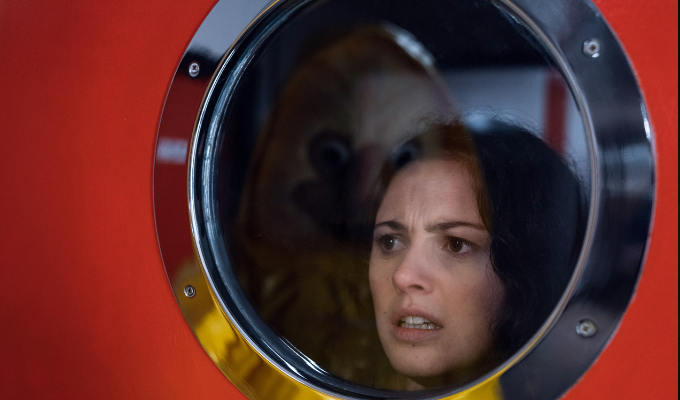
<point>389,158</point>
<point>302,223</point>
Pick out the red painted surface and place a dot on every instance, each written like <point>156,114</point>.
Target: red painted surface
<point>641,362</point>
<point>85,307</point>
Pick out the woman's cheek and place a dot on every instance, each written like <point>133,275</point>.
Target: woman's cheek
<point>493,295</point>
<point>380,282</point>
<point>374,279</point>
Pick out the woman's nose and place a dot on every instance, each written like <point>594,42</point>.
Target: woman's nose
<point>412,275</point>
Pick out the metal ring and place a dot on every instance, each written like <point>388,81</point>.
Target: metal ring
<point>611,258</point>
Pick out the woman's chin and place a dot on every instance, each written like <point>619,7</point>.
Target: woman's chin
<point>428,382</point>
<point>423,372</point>
<point>419,368</point>
<point>449,378</point>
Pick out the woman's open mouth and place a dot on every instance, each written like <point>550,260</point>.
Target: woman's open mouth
<point>416,322</point>
<point>415,326</point>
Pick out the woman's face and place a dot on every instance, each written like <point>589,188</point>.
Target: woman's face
<point>435,293</point>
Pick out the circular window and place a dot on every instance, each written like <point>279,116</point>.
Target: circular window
<point>388,200</point>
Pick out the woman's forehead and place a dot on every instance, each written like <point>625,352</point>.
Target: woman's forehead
<point>431,189</point>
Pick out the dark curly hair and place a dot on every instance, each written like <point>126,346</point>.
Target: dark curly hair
<point>538,214</point>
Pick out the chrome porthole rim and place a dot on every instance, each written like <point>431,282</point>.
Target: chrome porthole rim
<point>217,60</point>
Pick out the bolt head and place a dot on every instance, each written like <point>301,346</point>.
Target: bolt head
<point>189,291</point>
<point>591,48</point>
<point>194,69</point>
<point>586,328</point>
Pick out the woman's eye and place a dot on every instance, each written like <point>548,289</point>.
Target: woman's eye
<point>458,245</point>
<point>388,243</point>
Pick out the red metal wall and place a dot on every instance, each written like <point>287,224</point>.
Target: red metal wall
<point>85,307</point>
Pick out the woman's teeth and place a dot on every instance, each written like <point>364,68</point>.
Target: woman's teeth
<point>416,323</point>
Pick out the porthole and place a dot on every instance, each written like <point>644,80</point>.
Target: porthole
<point>373,199</point>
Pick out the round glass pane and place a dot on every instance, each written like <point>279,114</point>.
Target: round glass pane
<point>335,95</point>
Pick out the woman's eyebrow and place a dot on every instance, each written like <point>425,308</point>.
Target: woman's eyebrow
<point>391,224</point>
<point>443,226</point>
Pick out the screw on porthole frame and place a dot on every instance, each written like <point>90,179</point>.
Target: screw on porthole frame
<point>189,291</point>
<point>592,48</point>
<point>194,69</point>
<point>586,328</point>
